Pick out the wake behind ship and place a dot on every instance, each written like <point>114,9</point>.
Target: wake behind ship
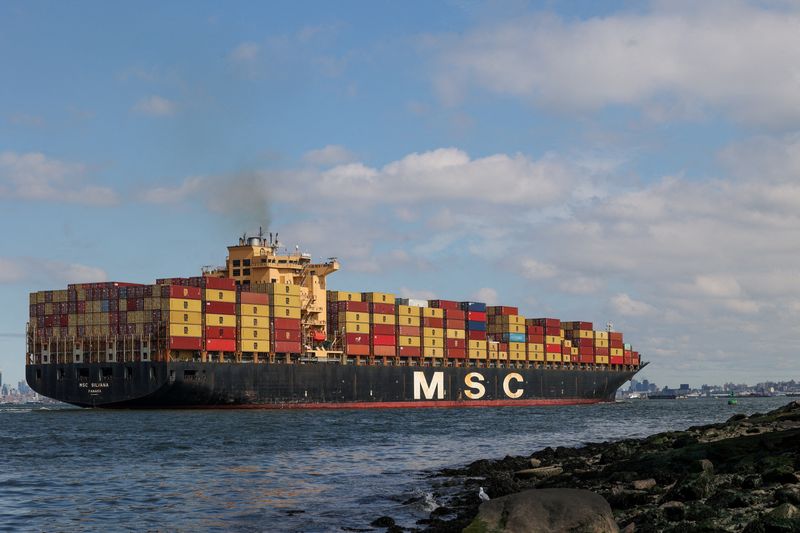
<point>264,331</point>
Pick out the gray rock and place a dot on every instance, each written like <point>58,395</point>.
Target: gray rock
<point>644,484</point>
<point>540,472</point>
<point>784,511</point>
<point>693,487</point>
<point>782,474</point>
<point>788,495</point>
<point>703,465</point>
<point>535,463</point>
<point>545,511</point>
<point>673,511</point>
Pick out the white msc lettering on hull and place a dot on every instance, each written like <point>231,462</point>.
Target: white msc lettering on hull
<point>473,381</point>
<point>422,387</point>
<point>507,389</point>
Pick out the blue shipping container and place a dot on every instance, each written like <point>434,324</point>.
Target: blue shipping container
<point>476,325</point>
<point>479,307</point>
<point>513,337</point>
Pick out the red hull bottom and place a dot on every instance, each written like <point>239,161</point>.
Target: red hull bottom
<point>398,405</point>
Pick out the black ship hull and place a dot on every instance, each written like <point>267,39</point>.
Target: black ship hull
<point>316,385</point>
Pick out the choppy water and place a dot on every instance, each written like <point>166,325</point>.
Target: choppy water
<point>85,470</point>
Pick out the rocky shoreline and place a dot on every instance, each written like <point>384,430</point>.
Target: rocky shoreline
<point>739,475</point>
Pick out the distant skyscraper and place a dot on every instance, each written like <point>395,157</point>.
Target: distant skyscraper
<point>1,380</point>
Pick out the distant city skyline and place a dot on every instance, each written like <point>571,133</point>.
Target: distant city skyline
<point>637,163</point>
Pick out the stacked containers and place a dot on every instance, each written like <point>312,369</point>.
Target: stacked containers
<point>476,329</point>
<point>433,342</point>
<point>284,307</point>
<point>455,329</point>
<point>582,336</point>
<point>616,348</point>
<point>332,299</point>
<point>635,358</point>
<point>601,347</point>
<point>382,339</point>
<point>219,306</point>
<point>253,311</point>
<point>184,312</point>
<point>553,337</point>
<point>409,327</point>
<point>350,320</point>
<point>535,334</point>
<point>506,326</point>
<point>627,354</point>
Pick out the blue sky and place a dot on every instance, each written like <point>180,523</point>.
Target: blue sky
<point>629,162</point>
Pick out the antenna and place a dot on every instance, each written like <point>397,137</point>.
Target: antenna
<point>609,326</point>
<point>260,233</point>
<point>270,238</point>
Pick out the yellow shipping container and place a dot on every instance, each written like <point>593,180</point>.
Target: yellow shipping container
<point>355,327</point>
<point>285,300</point>
<point>408,310</point>
<point>433,341</point>
<point>516,346</point>
<point>255,334</point>
<point>429,351</point>
<point>249,321</point>
<point>574,351</point>
<point>601,343</point>
<point>60,296</point>
<point>503,356</point>
<point>601,359</point>
<point>413,321</point>
<point>254,310</point>
<point>517,320</point>
<point>286,312</point>
<point>616,352</point>
<point>40,297</point>
<point>220,295</point>
<point>601,335</point>
<point>182,330</point>
<point>432,312</point>
<point>255,346</point>
<point>378,318</point>
<point>220,320</point>
<point>517,356</point>
<point>48,308</point>
<point>177,304</point>
<point>566,358</point>
<point>536,347</point>
<point>433,332</point>
<point>476,353</point>
<point>352,316</point>
<point>455,333</point>
<point>181,317</point>
<point>32,298</point>
<point>286,289</point>
<point>536,356</point>
<point>566,343</point>
<point>585,334</point>
<point>408,341</point>
<point>378,297</point>
<point>477,345</point>
<point>552,339</point>
<point>553,357</point>
<point>344,296</point>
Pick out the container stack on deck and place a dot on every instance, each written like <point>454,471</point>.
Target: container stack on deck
<point>408,321</point>
<point>582,336</point>
<point>348,322</point>
<point>219,305</point>
<point>253,324</point>
<point>382,323</point>
<point>184,317</point>
<point>476,329</point>
<point>507,327</point>
<point>284,301</point>
<point>455,330</point>
<point>433,343</point>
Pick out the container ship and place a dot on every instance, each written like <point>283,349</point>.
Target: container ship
<point>264,331</point>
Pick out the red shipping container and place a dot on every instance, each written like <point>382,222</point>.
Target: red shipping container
<point>455,314</point>
<point>552,348</point>
<point>615,336</point>
<point>455,343</point>
<point>443,304</point>
<point>185,343</point>
<point>548,330</point>
<point>256,298</point>
<point>356,338</point>
<point>535,330</point>
<point>130,305</point>
<point>600,351</point>
<point>627,353</point>
<point>430,322</point>
<point>546,322</point>
<point>476,316</point>
<point>357,349</point>
<point>287,335</point>
<point>383,309</point>
<point>356,307</point>
<point>221,333</point>
<point>287,323</point>
<point>502,346</point>
<point>536,339</point>
<point>586,350</point>
<point>384,351</point>
<point>457,353</point>
<point>582,358</point>
<point>221,308</point>
<point>63,321</point>
<point>615,344</point>
<point>451,323</point>
<point>616,360</point>
<point>383,340</point>
<point>227,284</point>
<point>409,331</point>
<point>287,347</point>
<point>409,351</point>
<point>503,310</point>
<point>383,329</point>
<point>584,342</point>
<point>179,291</point>
<point>220,345</point>
<point>476,335</point>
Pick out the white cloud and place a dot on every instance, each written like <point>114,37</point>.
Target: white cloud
<point>47,271</point>
<point>405,292</point>
<point>720,286</point>
<point>34,176</point>
<point>486,295</point>
<point>329,155</point>
<point>170,195</point>
<point>672,58</point>
<point>156,106</point>
<point>535,270</point>
<point>245,53</point>
<point>625,305</point>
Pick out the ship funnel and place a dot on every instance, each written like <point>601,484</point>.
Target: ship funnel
<point>254,241</point>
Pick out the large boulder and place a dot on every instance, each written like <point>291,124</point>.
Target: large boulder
<point>545,511</point>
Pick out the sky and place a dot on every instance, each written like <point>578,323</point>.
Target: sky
<point>628,162</point>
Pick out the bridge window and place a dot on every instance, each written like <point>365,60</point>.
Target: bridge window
<point>236,262</point>
<point>246,262</point>
<point>236,272</point>
<point>246,272</point>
